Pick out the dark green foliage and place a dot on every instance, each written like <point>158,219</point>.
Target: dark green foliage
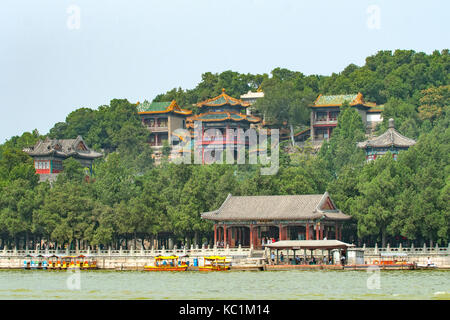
<point>129,198</point>
<point>341,149</point>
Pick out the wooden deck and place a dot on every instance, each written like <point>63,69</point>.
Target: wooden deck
<point>284,267</point>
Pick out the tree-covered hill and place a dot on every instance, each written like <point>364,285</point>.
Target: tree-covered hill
<point>130,199</point>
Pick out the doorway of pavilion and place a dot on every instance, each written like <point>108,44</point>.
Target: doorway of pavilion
<point>269,232</point>
<point>296,233</point>
<point>235,236</point>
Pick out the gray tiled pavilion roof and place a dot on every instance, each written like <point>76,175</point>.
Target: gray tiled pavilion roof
<point>390,138</point>
<point>63,148</point>
<point>289,207</point>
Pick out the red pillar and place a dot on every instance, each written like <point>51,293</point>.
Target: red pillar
<point>340,233</point>
<point>307,231</point>
<point>321,231</point>
<point>233,238</point>
<point>225,236</point>
<point>257,242</point>
<point>317,231</point>
<point>215,233</point>
<point>280,232</point>
<point>251,235</point>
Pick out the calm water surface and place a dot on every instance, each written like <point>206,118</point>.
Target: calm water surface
<point>269,285</point>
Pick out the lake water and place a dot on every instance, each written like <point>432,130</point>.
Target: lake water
<point>232,285</point>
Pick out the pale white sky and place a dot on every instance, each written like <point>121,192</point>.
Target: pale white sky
<point>52,63</point>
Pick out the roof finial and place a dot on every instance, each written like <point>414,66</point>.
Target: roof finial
<point>391,123</point>
<point>223,90</point>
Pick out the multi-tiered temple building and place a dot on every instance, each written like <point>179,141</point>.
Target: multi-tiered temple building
<point>220,113</point>
<point>48,156</point>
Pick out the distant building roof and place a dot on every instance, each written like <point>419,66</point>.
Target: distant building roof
<point>253,95</point>
<point>390,138</point>
<point>338,100</point>
<point>221,100</point>
<point>284,207</point>
<point>63,147</point>
<point>161,107</point>
<point>309,244</point>
<point>376,109</point>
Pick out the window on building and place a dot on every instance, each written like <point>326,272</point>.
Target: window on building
<point>57,165</point>
<point>321,116</point>
<point>162,123</point>
<point>334,115</point>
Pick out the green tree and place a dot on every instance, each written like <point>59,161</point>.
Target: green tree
<point>341,150</point>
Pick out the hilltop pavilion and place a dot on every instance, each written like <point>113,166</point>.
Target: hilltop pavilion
<point>220,113</point>
<point>162,119</point>
<point>390,141</point>
<point>49,154</point>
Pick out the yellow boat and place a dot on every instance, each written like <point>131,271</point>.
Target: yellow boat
<point>76,263</point>
<point>168,263</point>
<point>215,263</point>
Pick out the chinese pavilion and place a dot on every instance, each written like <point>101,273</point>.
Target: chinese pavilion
<point>247,220</point>
<point>221,113</point>
<point>162,118</point>
<point>326,108</point>
<point>48,155</point>
<point>390,141</point>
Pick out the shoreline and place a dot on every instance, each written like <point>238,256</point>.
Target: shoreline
<point>255,268</point>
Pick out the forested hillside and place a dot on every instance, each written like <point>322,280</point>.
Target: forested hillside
<point>407,200</point>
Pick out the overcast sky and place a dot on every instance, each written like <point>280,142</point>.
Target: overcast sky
<point>60,55</point>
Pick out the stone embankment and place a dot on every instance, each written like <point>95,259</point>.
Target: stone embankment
<point>128,259</point>
<point>241,258</point>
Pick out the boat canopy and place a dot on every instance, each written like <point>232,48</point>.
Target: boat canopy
<point>166,257</point>
<point>215,258</point>
<point>309,244</point>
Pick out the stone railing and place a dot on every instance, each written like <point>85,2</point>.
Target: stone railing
<point>205,251</point>
<point>408,250</point>
<point>239,251</point>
